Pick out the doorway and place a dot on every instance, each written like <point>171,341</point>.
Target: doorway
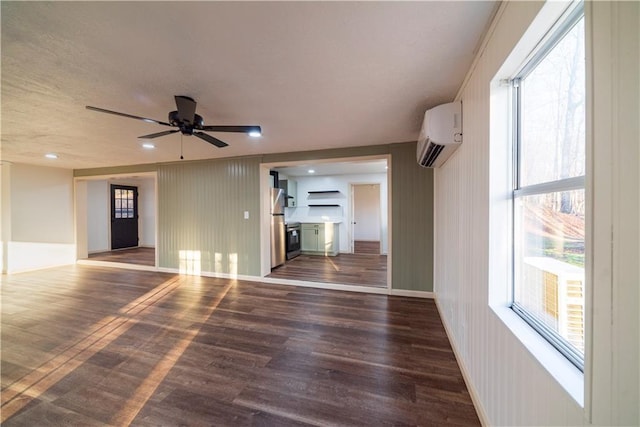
<point>324,193</point>
<point>117,226</point>
<point>365,238</point>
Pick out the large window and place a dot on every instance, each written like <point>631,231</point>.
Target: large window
<point>549,190</point>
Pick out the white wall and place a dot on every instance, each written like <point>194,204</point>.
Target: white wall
<point>41,204</point>
<point>98,216</point>
<point>38,217</point>
<point>80,213</point>
<point>615,297</point>
<point>99,205</point>
<point>341,183</point>
<point>5,212</point>
<point>147,212</point>
<point>508,383</point>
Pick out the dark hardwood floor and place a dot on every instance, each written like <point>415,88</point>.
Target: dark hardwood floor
<point>85,345</point>
<point>139,256</point>
<point>350,269</point>
<point>366,247</point>
<point>347,269</point>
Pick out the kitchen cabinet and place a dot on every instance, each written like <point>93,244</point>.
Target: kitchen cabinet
<point>320,239</point>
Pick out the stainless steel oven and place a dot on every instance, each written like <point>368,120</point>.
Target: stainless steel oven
<point>293,239</point>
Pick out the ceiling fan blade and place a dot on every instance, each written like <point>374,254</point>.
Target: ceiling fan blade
<point>210,139</point>
<point>144,119</point>
<point>186,108</point>
<point>155,135</point>
<point>242,129</point>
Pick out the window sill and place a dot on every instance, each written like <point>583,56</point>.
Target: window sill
<point>563,371</point>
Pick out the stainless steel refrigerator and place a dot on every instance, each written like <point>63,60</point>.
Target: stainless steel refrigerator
<point>278,243</point>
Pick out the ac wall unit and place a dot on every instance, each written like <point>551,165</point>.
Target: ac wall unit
<point>441,134</point>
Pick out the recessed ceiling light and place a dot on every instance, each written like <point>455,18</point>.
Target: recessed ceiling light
<point>311,171</point>
<point>255,133</point>
<point>51,156</point>
<point>148,145</point>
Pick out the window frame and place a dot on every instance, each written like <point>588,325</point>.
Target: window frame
<point>518,191</point>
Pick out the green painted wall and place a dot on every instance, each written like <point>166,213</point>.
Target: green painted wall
<point>411,212</point>
<point>201,221</point>
<point>202,203</point>
<point>412,220</point>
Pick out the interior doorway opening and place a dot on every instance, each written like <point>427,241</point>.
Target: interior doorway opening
<point>366,219</point>
<point>323,196</point>
<point>116,220</point>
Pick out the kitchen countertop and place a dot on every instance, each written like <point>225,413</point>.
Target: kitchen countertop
<point>317,221</point>
<point>320,222</point>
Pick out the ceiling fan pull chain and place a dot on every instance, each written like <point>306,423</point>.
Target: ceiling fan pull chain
<point>181,158</point>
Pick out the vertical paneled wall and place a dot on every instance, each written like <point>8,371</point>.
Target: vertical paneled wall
<point>412,220</point>
<point>201,212</point>
<point>412,209</point>
<point>201,216</point>
<point>511,386</point>
<point>615,87</point>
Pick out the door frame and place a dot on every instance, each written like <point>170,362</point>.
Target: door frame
<point>265,259</point>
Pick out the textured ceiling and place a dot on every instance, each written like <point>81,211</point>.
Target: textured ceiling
<point>314,75</point>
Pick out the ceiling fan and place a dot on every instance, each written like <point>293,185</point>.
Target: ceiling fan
<point>187,122</point>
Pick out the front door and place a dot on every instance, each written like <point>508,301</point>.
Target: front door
<point>124,216</point>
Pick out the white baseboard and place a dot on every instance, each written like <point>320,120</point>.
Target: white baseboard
<point>477,403</point>
<point>410,293</point>
<point>317,285</point>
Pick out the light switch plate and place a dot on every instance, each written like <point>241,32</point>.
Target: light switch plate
<point>246,214</point>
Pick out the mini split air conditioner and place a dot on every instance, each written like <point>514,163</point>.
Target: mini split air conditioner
<point>441,134</point>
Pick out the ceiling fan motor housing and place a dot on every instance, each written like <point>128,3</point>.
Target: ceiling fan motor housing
<point>184,125</point>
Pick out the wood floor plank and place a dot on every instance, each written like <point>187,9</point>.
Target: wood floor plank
<point>366,247</point>
<point>139,256</point>
<point>348,269</point>
<point>84,345</point>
